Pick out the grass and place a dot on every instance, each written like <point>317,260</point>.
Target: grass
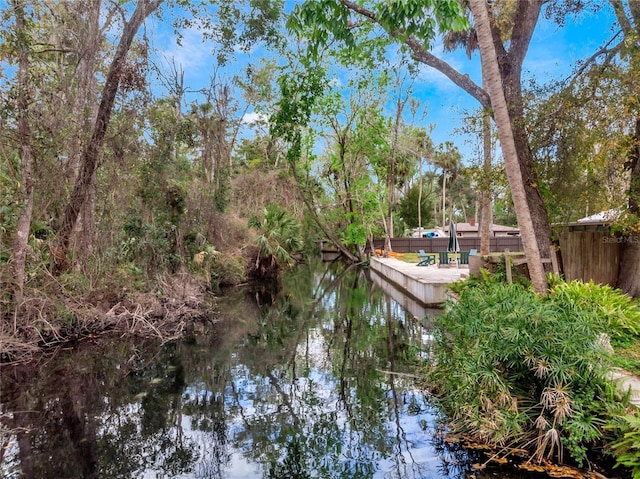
<point>414,258</point>
<point>409,258</point>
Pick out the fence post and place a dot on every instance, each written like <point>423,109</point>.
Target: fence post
<point>554,260</point>
<point>507,265</point>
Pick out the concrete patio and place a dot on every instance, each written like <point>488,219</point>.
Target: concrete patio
<point>426,284</point>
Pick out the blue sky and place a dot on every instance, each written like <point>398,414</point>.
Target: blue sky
<point>553,54</point>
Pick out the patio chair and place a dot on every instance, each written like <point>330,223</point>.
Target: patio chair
<point>464,257</point>
<point>444,259</point>
<point>426,259</point>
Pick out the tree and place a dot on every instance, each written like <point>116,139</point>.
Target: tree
<point>237,27</point>
<point>279,237</point>
<point>413,24</point>
<point>19,250</point>
<point>491,74</point>
<point>486,218</point>
<point>418,144</point>
<point>447,158</point>
<point>415,208</point>
<point>629,20</point>
<point>57,97</point>
<point>395,171</point>
<point>91,155</point>
<point>586,138</point>
<point>628,279</point>
<point>218,122</point>
<point>353,128</point>
<point>478,125</point>
<point>299,92</point>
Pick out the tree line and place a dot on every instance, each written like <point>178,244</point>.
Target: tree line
<point>106,178</point>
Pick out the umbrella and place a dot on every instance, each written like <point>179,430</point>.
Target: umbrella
<point>454,247</point>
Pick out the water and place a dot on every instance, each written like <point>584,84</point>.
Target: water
<point>313,381</point>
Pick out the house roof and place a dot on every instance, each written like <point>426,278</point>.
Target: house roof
<point>473,228</point>
<point>608,216</point>
<point>602,219</point>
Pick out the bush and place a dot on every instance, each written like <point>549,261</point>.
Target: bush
<point>627,447</point>
<point>612,312</point>
<point>515,368</point>
<point>227,270</point>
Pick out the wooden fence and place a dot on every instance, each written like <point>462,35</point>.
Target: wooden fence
<point>412,245</point>
<point>585,255</point>
<point>591,255</point>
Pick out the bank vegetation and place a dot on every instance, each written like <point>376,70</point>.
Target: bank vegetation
<point>532,376</point>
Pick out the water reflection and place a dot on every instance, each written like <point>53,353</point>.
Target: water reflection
<point>312,381</point>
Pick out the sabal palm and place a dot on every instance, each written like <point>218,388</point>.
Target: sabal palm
<point>279,235</point>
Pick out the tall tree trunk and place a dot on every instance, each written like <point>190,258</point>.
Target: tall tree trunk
<point>91,155</point>
<point>84,110</point>
<point>535,202</point>
<point>391,187</point>
<point>493,78</point>
<point>628,278</point>
<point>420,183</point>
<point>510,64</point>
<point>391,178</point>
<point>486,218</point>
<point>20,242</point>
<point>444,197</point>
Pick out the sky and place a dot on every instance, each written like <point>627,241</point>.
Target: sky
<point>553,54</point>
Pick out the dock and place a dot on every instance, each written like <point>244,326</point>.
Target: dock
<point>425,284</point>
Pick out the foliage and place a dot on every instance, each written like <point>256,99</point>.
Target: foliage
<point>327,20</point>
<point>570,126</point>
<point>227,270</point>
<point>497,275</point>
<point>139,202</point>
<point>151,244</point>
<point>611,311</point>
<point>279,237</point>
<point>627,448</point>
<point>516,368</point>
<point>372,155</point>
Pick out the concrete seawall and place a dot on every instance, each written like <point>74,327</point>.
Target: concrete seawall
<point>417,308</point>
<point>425,284</point>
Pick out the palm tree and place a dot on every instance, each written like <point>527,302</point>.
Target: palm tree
<point>279,237</point>
<point>491,75</point>
<point>447,157</point>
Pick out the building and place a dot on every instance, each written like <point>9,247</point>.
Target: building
<point>470,230</point>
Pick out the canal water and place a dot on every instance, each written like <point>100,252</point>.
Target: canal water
<point>314,380</point>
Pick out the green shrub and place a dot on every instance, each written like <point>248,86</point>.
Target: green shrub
<point>627,447</point>
<point>75,283</point>
<point>613,312</point>
<point>227,270</point>
<point>524,370</point>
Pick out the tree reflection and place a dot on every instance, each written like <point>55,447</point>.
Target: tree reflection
<point>55,434</point>
<point>310,385</point>
<point>95,415</point>
<point>302,383</point>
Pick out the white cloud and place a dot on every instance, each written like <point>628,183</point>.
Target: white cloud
<point>254,117</point>
<point>192,51</point>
